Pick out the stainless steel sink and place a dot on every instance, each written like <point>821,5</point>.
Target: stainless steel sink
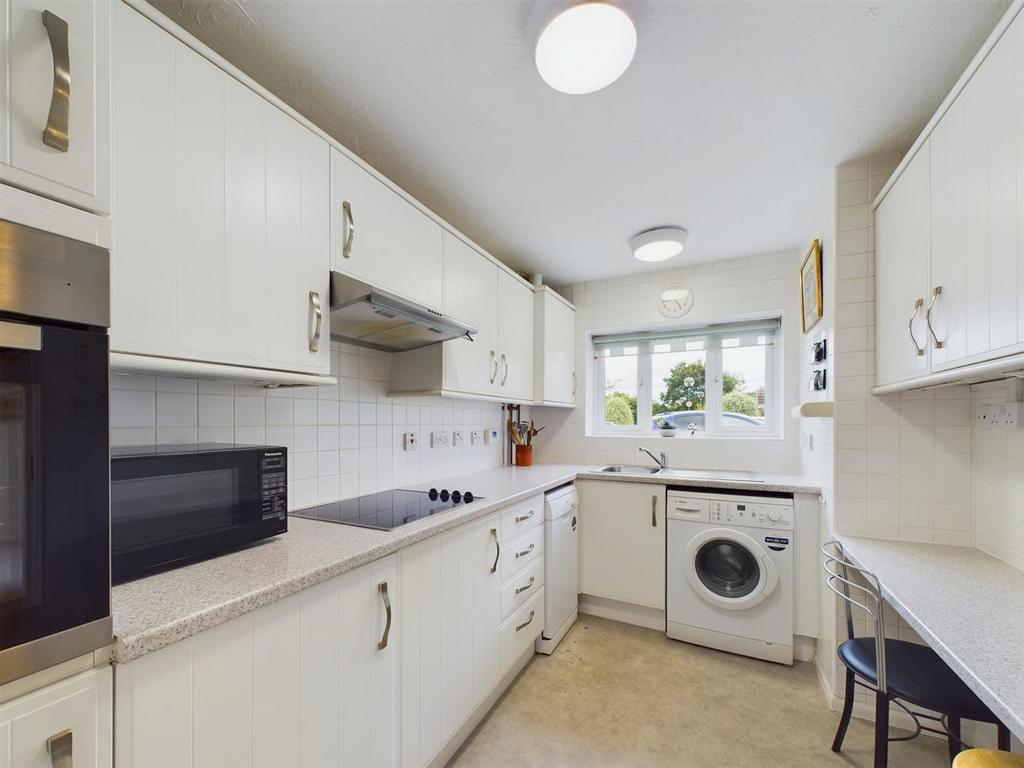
<point>620,469</point>
<point>724,475</point>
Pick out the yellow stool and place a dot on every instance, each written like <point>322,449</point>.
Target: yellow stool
<point>987,758</point>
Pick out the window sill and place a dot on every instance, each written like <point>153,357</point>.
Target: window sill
<point>698,436</point>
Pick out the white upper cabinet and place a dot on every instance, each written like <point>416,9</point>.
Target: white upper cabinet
<point>54,139</point>
<point>380,237</point>
<point>950,233</point>
<point>515,338</point>
<point>222,224</point>
<point>902,237</point>
<point>554,377</point>
<point>471,295</point>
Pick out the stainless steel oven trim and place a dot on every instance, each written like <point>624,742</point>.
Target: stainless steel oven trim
<point>45,652</point>
<point>47,276</point>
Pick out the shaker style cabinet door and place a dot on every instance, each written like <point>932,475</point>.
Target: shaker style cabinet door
<point>55,137</point>
<point>381,238</point>
<point>471,295</point>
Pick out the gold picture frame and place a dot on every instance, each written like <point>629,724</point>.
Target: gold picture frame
<point>811,305</point>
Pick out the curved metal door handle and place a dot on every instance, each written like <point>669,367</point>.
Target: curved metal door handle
<point>350,230</point>
<point>60,748</point>
<point>654,511</point>
<point>504,375</point>
<point>383,589</point>
<point>314,341</point>
<point>526,586</point>
<point>494,362</point>
<point>525,552</point>
<point>55,134</point>
<point>524,518</point>
<point>525,623</point>
<point>574,383</point>
<point>497,550</point>
<point>910,326</point>
<point>936,292</point>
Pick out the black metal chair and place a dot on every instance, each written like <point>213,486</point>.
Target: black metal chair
<point>905,674</point>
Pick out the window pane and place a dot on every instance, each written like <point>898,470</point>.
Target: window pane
<point>744,371</point>
<point>678,389</point>
<point>620,390</point>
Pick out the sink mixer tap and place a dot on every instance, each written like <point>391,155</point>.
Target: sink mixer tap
<point>661,462</point>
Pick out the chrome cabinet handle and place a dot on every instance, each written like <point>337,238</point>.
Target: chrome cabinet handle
<point>21,336</point>
<point>525,552</point>
<point>910,326</point>
<point>56,132</point>
<point>383,588</point>
<point>525,586</point>
<point>504,375</point>
<point>314,340</point>
<point>60,747</point>
<point>654,511</point>
<point>350,230</point>
<point>523,518</point>
<point>497,550</point>
<point>494,362</point>
<point>688,509</point>
<point>574,383</point>
<point>936,292</point>
<point>525,623</point>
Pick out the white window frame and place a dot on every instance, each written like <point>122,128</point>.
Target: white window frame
<point>713,417</point>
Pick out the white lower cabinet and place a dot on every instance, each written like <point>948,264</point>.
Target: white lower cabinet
<point>307,680</point>
<point>73,717</point>
<point>622,542</point>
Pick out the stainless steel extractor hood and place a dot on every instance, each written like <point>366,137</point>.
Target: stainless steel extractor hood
<point>370,317</point>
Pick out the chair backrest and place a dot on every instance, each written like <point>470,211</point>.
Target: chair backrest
<point>868,597</point>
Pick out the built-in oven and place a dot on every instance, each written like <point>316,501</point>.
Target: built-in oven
<point>54,459</point>
<point>172,505</point>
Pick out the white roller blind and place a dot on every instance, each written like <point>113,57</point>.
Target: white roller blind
<point>691,339</point>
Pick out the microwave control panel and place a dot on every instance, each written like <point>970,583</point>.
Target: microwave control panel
<point>274,485</point>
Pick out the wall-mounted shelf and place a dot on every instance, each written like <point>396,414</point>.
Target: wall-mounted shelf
<point>815,409</point>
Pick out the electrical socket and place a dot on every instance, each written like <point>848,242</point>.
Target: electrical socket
<point>439,439</point>
<point>1000,415</point>
<point>475,437</point>
<point>490,436</point>
<point>457,438</point>
<point>410,442</point>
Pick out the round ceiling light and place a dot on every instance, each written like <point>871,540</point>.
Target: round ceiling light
<point>585,47</point>
<point>659,244</point>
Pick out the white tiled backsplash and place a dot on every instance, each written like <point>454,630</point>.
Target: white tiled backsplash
<point>343,441</point>
<point>731,287</point>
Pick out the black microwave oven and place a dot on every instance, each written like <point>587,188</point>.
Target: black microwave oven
<point>172,505</point>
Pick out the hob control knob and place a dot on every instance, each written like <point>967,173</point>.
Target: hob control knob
<point>432,494</point>
<point>445,495</point>
<point>456,497</point>
<point>467,497</point>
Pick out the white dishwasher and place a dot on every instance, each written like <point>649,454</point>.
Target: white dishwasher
<point>561,565</point>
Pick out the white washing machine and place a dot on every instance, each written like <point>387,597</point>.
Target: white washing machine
<point>730,572</point>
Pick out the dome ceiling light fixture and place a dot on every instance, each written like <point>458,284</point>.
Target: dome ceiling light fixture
<point>582,47</point>
<point>658,244</point>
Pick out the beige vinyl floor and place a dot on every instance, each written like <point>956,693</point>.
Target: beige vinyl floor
<point>618,695</point>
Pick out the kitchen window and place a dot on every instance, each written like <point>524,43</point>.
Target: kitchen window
<point>720,379</point>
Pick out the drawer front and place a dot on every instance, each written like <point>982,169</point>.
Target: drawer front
<point>517,554</point>
<point>522,628</point>
<point>518,519</point>
<point>688,508</point>
<point>522,587</point>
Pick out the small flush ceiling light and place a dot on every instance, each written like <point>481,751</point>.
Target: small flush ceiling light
<point>585,47</point>
<point>659,244</point>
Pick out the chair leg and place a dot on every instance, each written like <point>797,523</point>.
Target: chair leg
<point>1004,737</point>
<point>844,720</point>
<point>881,730</point>
<point>953,738</point>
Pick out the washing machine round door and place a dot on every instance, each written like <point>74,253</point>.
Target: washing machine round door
<point>729,569</point>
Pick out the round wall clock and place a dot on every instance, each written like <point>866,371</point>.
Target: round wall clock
<point>675,301</point>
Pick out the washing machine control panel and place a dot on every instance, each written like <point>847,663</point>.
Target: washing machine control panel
<point>752,512</point>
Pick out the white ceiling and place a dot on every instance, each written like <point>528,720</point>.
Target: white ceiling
<point>727,122</point>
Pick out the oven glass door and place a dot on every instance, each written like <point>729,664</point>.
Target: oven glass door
<point>171,508</point>
<point>54,469</point>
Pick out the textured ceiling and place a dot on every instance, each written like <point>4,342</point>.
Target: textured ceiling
<point>726,123</point>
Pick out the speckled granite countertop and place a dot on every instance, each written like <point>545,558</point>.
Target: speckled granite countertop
<point>153,612</point>
<point>965,604</point>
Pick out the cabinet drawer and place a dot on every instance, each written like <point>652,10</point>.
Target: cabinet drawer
<point>522,586</point>
<point>522,628</point>
<point>517,554</point>
<point>518,519</point>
